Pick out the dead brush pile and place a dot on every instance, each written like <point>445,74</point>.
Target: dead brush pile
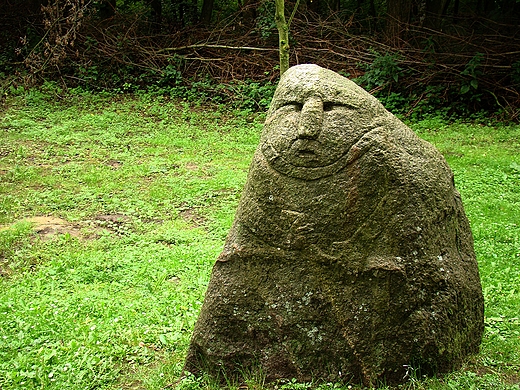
<point>472,62</point>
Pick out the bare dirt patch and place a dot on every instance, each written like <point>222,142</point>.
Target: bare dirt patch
<point>48,227</point>
<point>114,164</point>
<point>190,166</point>
<point>512,379</point>
<point>112,218</point>
<point>190,214</point>
<point>115,223</point>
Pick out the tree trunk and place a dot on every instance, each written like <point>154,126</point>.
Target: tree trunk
<point>207,10</point>
<point>283,35</point>
<point>445,6</point>
<point>456,8</point>
<point>435,11</point>
<point>398,12</point>
<point>156,14</point>
<point>372,8</point>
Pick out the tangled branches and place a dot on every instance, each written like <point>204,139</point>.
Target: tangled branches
<point>474,62</point>
<point>62,20</point>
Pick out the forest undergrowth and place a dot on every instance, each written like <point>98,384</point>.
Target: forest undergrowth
<point>460,66</point>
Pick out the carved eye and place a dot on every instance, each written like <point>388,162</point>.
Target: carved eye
<point>329,106</point>
<point>294,105</point>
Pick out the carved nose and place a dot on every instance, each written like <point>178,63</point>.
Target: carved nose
<point>311,118</point>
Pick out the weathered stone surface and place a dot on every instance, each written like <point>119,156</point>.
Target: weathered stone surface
<point>350,257</point>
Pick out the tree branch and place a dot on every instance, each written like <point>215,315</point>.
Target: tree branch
<point>293,12</point>
<point>211,46</point>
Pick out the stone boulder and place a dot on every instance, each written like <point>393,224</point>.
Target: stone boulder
<point>350,258</point>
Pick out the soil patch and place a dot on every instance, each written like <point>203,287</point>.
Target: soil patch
<point>114,164</point>
<point>191,166</point>
<point>48,227</point>
<point>512,379</point>
<point>116,223</point>
<point>189,214</point>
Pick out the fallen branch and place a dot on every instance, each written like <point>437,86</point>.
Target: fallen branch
<point>212,46</point>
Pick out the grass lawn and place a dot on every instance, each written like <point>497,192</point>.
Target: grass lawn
<point>113,210</point>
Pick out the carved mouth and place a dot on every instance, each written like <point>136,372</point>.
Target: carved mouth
<point>305,149</point>
<point>306,153</point>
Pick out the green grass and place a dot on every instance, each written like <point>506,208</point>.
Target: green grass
<point>142,192</point>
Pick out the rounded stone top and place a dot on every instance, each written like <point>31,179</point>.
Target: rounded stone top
<point>315,117</point>
<point>302,81</point>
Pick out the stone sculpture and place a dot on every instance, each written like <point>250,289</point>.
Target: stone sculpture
<point>350,257</point>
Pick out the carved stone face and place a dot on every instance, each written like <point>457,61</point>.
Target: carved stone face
<point>314,120</point>
<point>348,225</point>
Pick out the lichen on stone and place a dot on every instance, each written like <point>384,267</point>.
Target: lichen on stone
<point>350,249</point>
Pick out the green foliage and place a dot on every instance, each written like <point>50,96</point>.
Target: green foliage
<point>462,99</point>
<point>252,95</point>
<point>395,102</point>
<point>382,73</point>
<point>15,246</point>
<point>265,21</point>
<point>471,74</point>
<point>171,76</point>
<point>242,95</point>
